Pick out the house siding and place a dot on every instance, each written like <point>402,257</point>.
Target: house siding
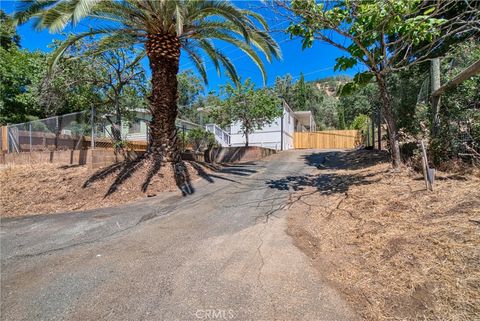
<point>140,133</point>
<point>269,136</point>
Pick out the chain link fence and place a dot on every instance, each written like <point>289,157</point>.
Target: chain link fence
<point>83,130</point>
<point>54,133</point>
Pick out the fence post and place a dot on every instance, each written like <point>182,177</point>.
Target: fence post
<point>92,135</point>
<point>5,139</point>
<point>30,134</point>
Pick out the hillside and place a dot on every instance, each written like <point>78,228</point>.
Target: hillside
<point>330,85</point>
<point>318,96</point>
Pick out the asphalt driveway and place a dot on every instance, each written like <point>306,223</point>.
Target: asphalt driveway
<point>219,254</point>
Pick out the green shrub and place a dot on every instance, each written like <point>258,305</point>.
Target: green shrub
<point>39,126</point>
<point>200,139</point>
<point>360,122</point>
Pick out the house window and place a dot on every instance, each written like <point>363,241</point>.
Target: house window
<point>134,127</point>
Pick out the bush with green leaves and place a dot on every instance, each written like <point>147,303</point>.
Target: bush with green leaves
<point>459,134</point>
<point>251,108</point>
<point>200,139</point>
<point>39,126</point>
<point>79,128</point>
<point>361,122</point>
<point>383,36</point>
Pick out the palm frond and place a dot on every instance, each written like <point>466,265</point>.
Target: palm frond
<point>197,61</point>
<point>83,8</point>
<point>247,49</point>
<point>57,54</point>
<point>56,18</point>
<point>27,9</point>
<point>231,70</point>
<point>195,23</point>
<point>257,17</point>
<point>112,42</point>
<point>211,52</point>
<point>220,9</point>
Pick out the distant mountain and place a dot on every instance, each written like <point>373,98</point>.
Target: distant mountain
<point>330,85</point>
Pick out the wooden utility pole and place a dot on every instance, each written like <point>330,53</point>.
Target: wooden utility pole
<point>438,90</point>
<point>435,85</point>
<point>472,70</point>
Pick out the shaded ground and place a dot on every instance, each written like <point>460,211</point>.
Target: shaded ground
<point>396,251</point>
<point>222,251</point>
<point>53,188</point>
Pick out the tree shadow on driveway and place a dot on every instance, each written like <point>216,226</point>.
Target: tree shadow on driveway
<point>352,159</point>
<point>326,184</point>
<point>240,169</point>
<point>151,166</point>
<point>329,183</point>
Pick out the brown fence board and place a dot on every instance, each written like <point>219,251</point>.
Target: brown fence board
<point>327,139</point>
<point>4,138</point>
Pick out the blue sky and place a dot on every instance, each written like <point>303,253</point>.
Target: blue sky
<point>315,63</point>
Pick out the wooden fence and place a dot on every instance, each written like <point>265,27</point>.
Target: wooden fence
<point>328,139</point>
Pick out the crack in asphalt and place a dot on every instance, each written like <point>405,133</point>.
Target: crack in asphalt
<point>222,256</point>
<point>144,218</point>
<point>260,269</point>
<point>250,184</point>
<point>69,246</point>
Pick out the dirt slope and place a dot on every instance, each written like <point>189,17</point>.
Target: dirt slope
<point>53,188</point>
<point>397,251</point>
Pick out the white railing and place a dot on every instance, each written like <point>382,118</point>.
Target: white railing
<point>221,136</point>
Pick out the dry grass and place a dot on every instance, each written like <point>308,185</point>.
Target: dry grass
<point>397,251</point>
<point>52,188</point>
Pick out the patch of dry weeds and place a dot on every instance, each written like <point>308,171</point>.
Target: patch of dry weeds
<point>53,188</point>
<point>397,251</point>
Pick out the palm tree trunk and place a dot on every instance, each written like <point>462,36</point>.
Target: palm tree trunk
<point>163,52</point>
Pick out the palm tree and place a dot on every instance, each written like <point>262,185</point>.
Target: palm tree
<point>165,28</point>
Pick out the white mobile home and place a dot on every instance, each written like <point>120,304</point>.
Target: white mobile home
<point>279,134</point>
<point>137,128</point>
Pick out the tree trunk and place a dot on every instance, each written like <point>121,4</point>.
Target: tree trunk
<point>246,139</point>
<point>391,122</point>
<point>373,130</point>
<point>379,128</point>
<point>117,125</point>
<point>163,51</point>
